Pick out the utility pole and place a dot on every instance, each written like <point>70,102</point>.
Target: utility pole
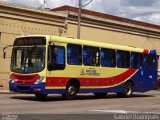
<point>79,17</point>
<point>44,4</point>
<point>79,20</point>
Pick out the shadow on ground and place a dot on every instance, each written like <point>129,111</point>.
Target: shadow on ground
<point>51,98</point>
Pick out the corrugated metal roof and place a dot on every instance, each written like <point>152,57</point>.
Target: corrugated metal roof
<point>106,16</point>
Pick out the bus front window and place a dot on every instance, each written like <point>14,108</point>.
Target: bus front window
<point>28,59</point>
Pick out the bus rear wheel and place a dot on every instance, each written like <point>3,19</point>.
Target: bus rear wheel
<point>128,90</point>
<point>100,95</point>
<point>71,91</point>
<point>41,96</point>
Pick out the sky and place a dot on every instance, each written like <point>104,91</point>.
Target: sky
<point>141,10</point>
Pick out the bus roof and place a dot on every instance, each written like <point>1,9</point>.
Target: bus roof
<point>97,44</point>
<point>90,43</point>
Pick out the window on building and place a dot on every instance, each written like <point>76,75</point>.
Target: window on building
<point>123,59</point>
<point>136,60</point>
<point>91,56</point>
<point>149,62</point>
<point>56,58</point>
<point>74,54</point>
<point>108,58</point>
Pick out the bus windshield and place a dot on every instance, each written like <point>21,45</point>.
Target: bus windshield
<point>28,59</point>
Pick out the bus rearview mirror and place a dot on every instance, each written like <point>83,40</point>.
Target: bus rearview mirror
<point>4,52</point>
<point>4,55</point>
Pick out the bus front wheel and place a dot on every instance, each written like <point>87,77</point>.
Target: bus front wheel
<point>71,91</point>
<point>41,96</point>
<point>128,90</point>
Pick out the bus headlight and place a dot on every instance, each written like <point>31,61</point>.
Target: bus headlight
<point>39,80</point>
<point>12,80</point>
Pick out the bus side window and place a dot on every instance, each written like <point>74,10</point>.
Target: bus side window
<point>74,54</point>
<point>136,60</point>
<point>91,56</point>
<point>56,58</point>
<point>123,59</point>
<point>108,58</point>
<point>149,62</point>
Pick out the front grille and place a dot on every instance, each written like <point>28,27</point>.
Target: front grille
<point>23,87</point>
<point>20,77</point>
<point>25,79</point>
<point>23,82</point>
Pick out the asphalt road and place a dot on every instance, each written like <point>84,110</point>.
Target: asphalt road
<point>86,105</point>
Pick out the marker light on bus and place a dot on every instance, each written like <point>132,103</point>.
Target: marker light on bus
<point>37,89</point>
<point>39,80</point>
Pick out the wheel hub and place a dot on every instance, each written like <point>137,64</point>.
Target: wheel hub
<point>71,90</point>
<point>128,90</point>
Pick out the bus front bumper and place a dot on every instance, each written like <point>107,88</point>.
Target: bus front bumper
<point>27,88</point>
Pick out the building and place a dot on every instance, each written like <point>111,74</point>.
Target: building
<point>19,20</point>
<point>111,29</point>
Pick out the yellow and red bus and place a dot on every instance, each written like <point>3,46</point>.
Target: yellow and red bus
<point>44,64</point>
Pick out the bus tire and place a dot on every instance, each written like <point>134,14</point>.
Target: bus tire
<point>71,91</point>
<point>100,95</point>
<point>41,96</point>
<point>128,90</point>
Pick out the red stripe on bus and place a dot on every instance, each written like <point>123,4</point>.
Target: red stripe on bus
<point>56,81</point>
<point>110,81</point>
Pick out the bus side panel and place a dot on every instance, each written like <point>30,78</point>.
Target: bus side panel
<point>143,80</point>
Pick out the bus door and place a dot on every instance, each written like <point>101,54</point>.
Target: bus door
<point>56,64</point>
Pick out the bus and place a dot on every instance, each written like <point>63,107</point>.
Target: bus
<point>45,64</point>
